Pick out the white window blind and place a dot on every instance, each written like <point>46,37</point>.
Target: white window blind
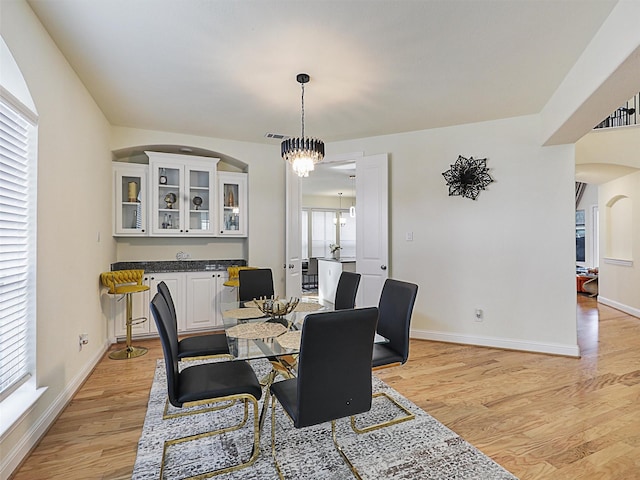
<point>16,257</point>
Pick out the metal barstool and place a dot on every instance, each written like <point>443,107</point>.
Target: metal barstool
<point>126,282</point>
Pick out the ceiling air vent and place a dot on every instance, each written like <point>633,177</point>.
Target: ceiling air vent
<point>276,136</point>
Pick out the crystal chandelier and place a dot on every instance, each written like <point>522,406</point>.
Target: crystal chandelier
<point>302,153</point>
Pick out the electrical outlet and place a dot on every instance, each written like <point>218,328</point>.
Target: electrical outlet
<point>83,339</point>
<point>479,315</point>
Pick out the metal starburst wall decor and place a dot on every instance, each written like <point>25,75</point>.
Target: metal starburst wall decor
<point>467,177</point>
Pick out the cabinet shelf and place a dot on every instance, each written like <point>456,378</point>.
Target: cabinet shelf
<point>198,211</point>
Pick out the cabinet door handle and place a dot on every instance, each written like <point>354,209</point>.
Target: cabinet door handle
<point>383,267</point>
<point>143,230</point>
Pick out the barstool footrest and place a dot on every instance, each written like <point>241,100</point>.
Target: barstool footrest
<point>138,321</point>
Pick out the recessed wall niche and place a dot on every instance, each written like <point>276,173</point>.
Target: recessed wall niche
<point>618,228</point>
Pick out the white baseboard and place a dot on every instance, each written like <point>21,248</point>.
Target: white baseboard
<point>619,306</point>
<point>18,453</point>
<point>497,342</point>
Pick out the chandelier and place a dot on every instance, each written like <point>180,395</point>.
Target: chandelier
<point>302,153</point>
<point>340,218</point>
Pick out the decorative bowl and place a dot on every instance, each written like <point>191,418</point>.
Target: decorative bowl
<point>276,308</point>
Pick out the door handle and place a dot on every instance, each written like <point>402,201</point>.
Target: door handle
<point>383,267</point>
<point>291,265</point>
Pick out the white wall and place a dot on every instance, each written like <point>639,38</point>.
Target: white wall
<point>73,207</point>
<point>511,252</point>
<point>618,281</point>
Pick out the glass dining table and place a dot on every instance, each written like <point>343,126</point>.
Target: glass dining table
<point>253,335</point>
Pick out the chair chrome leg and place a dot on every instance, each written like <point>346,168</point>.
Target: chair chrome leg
<point>273,437</point>
<point>346,460</point>
<point>408,416</point>
<point>341,452</point>
<point>256,438</point>
<point>166,415</point>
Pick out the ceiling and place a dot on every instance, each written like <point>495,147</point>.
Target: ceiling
<point>227,68</point>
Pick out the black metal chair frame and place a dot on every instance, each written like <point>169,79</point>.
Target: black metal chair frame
<point>395,308</point>
<point>310,273</point>
<point>324,389</point>
<point>246,388</point>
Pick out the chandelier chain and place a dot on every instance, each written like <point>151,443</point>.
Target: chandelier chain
<point>302,84</point>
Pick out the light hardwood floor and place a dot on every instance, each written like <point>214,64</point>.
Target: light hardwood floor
<point>540,416</point>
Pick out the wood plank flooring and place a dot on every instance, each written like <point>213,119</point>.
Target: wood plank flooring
<point>539,416</point>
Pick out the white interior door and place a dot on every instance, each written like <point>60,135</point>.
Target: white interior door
<point>372,227</point>
<point>293,236</point>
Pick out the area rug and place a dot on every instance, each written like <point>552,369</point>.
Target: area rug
<point>421,448</point>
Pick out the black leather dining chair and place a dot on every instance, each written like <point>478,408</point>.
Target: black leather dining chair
<point>346,290</point>
<point>325,389</point>
<point>255,283</point>
<point>196,347</point>
<point>205,384</point>
<point>395,308</point>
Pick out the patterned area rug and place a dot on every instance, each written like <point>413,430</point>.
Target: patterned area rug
<point>421,448</point>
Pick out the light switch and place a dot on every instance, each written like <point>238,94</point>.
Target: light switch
<point>409,237</point>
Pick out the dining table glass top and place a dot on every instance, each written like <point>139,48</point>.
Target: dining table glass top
<point>251,334</point>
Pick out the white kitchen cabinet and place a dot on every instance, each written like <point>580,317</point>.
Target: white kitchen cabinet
<point>183,195</point>
<point>203,299</point>
<point>232,200</point>
<point>197,296</point>
<point>176,283</point>
<point>130,199</point>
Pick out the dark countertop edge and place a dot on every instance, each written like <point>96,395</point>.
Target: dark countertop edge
<point>161,266</point>
<point>339,260</point>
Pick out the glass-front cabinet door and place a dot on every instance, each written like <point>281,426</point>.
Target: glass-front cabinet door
<point>200,198</point>
<point>232,188</point>
<point>182,194</point>
<point>130,190</point>
<point>167,198</point>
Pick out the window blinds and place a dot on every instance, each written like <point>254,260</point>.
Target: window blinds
<point>15,254</point>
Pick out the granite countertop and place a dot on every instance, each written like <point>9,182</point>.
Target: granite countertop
<point>178,265</point>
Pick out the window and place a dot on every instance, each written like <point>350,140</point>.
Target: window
<point>323,232</point>
<point>580,236</point>
<point>17,237</point>
<point>347,236</point>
